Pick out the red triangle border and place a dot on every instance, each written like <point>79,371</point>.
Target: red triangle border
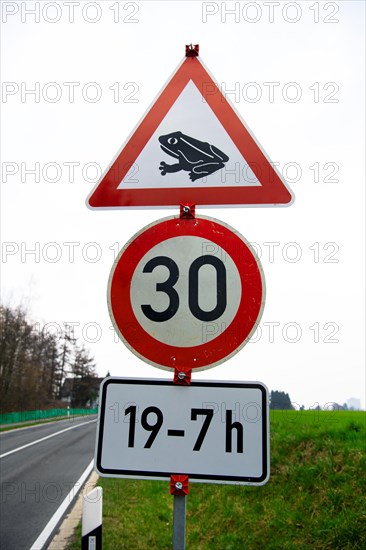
<point>273,190</point>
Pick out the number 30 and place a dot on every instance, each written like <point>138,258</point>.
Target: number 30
<point>193,279</point>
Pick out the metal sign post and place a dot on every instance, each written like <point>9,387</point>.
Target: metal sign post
<point>179,484</point>
<point>179,488</point>
<point>185,294</point>
<point>179,522</point>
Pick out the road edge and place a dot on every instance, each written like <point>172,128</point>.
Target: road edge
<point>64,534</point>
<point>42,540</point>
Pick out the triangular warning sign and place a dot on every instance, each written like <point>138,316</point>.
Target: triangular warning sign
<point>191,147</point>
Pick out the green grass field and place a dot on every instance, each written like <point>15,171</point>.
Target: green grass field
<point>315,498</point>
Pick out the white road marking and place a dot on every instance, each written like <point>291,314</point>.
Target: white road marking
<point>42,439</point>
<point>51,525</point>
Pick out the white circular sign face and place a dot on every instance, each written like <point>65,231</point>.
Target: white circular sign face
<point>186,293</point>
<point>177,259</point>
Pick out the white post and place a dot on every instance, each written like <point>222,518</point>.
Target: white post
<point>91,530</point>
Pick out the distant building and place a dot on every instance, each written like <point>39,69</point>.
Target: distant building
<point>338,407</point>
<point>354,404</point>
<point>81,392</point>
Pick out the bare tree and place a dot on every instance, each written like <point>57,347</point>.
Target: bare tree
<point>34,364</point>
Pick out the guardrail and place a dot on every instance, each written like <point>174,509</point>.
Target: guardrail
<point>26,416</point>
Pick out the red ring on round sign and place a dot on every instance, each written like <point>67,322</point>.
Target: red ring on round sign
<point>217,350</point>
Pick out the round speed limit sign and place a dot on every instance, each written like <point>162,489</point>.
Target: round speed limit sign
<point>186,293</point>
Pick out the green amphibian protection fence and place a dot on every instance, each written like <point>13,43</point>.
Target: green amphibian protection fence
<point>25,416</point>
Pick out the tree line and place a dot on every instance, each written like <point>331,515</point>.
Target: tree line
<point>280,400</point>
<point>35,363</point>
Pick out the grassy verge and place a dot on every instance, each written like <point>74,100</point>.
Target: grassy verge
<point>314,499</point>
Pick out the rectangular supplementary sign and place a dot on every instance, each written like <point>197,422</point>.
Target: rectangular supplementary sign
<point>211,431</point>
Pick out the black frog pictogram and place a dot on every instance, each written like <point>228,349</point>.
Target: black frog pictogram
<point>196,157</point>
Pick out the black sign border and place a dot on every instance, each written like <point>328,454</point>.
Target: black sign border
<point>136,474</point>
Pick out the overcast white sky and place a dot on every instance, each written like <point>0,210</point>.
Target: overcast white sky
<point>95,68</point>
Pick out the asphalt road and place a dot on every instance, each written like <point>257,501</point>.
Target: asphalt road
<point>36,479</point>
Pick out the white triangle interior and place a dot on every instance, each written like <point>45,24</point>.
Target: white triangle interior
<point>191,115</point>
